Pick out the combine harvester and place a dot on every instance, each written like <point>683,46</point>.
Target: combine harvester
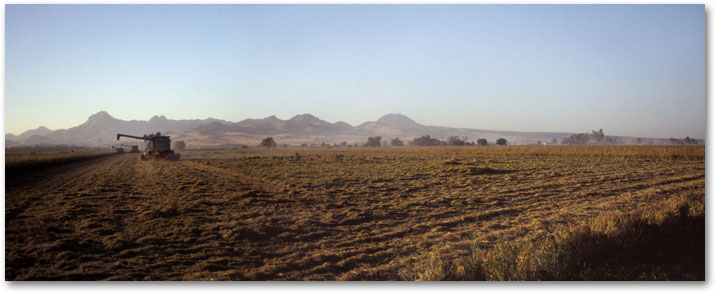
<point>119,149</point>
<point>135,148</point>
<point>157,146</point>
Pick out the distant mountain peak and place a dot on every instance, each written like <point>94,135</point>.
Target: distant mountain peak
<point>304,117</point>
<point>101,115</point>
<point>342,124</point>
<point>272,118</point>
<point>397,120</point>
<point>42,130</point>
<point>158,118</point>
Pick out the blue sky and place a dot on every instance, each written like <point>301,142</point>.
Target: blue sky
<point>635,70</point>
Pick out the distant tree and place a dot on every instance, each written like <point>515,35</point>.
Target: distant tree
<point>268,142</point>
<point>596,137</point>
<point>482,141</point>
<point>304,145</point>
<point>581,138</point>
<point>455,141</point>
<point>426,140</point>
<point>180,145</point>
<point>554,140</point>
<point>373,141</point>
<point>501,141</point>
<point>385,143</point>
<point>324,144</point>
<point>396,142</point>
<point>343,143</point>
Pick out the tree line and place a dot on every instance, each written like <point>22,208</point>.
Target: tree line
<point>425,140</point>
<point>594,138</point>
<point>686,140</point>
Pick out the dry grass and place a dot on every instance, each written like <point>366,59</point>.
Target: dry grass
<point>662,242</point>
<point>323,214</point>
<point>27,161</point>
<point>675,152</point>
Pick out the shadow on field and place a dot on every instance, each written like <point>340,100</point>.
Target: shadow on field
<point>613,248</point>
<point>37,162</point>
<point>671,250</point>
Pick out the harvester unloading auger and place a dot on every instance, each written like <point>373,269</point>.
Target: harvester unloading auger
<point>156,146</point>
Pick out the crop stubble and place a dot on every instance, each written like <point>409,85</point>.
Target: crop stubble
<point>306,214</point>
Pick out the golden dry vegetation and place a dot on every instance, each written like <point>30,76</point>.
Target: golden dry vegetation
<point>323,214</point>
<point>16,162</point>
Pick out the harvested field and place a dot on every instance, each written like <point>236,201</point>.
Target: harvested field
<point>317,214</point>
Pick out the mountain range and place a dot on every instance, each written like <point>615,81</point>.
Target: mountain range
<point>101,128</point>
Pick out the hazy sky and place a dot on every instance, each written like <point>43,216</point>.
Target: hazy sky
<point>634,70</point>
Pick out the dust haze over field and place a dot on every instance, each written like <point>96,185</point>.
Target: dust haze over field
<point>327,214</point>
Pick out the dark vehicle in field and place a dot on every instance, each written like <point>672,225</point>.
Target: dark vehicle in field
<point>135,148</point>
<point>156,146</point>
<point>120,149</point>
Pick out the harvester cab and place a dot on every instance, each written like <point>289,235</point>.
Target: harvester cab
<point>157,146</point>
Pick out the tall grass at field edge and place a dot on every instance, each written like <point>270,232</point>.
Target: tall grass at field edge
<point>664,243</point>
<point>17,163</point>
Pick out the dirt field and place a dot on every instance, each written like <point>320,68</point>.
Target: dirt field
<point>316,214</point>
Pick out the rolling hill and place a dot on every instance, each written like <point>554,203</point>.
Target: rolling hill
<point>101,128</point>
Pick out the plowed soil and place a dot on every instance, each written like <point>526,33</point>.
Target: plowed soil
<point>308,215</point>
